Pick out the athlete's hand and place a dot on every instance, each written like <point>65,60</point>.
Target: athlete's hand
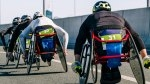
<point>76,67</point>
<point>146,63</point>
<point>65,52</point>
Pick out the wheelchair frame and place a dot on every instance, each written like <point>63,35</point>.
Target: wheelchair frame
<point>34,52</point>
<point>7,57</point>
<point>18,52</point>
<point>89,59</point>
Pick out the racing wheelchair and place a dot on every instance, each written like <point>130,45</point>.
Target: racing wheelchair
<point>90,57</point>
<point>44,41</point>
<point>7,45</point>
<point>18,52</point>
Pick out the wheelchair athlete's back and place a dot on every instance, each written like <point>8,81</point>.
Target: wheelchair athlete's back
<point>45,41</point>
<point>110,44</point>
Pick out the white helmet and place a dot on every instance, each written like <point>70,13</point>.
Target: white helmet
<point>36,15</point>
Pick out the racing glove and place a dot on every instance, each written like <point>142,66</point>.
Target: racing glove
<point>76,67</point>
<point>146,62</point>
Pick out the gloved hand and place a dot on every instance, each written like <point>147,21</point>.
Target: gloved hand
<point>76,67</point>
<point>146,62</point>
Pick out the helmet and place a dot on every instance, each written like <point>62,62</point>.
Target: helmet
<point>101,5</point>
<point>16,21</point>
<point>36,15</point>
<point>25,18</point>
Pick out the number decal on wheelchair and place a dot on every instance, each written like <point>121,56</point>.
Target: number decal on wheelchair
<point>111,37</point>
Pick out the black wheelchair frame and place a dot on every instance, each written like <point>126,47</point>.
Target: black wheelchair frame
<point>7,45</point>
<point>18,52</point>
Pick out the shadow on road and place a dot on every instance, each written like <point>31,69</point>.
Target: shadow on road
<point>21,67</point>
<point>25,74</point>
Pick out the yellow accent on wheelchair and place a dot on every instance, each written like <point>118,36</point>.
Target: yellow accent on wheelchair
<point>111,37</point>
<point>46,31</point>
<point>28,41</point>
<point>30,34</point>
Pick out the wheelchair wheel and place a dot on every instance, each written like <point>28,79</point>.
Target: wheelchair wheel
<point>7,57</point>
<point>61,55</point>
<point>63,60</point>
<point>17,54</point>
<point>30,57</point>
<point>85,63</point>
<point>37,63</point>
<point>94,72</point>
<point>135,63</point>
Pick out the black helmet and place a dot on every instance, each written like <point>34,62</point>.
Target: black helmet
<point>16,21</point>
<point>25,18</point>
<point>36,15</point>
<point>101,5</point>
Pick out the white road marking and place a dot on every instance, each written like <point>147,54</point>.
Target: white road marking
<point>2,52</point>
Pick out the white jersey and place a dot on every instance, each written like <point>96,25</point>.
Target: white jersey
<point>46,21</point>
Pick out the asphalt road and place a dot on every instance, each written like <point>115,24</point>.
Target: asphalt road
<point>54,74</point>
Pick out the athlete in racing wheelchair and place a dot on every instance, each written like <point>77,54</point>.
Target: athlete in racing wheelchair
<point>102,24</point>
<point>16,21</point>
<point>44,41</point>
<point>12,52</point>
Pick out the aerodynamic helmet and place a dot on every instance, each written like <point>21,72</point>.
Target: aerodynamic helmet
<point>25,18</point>
<point>101,5</point>
<point>36,15</point>
<point>16,21</point>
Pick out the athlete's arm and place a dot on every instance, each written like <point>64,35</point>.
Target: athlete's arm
<point>138,41</point>
<point>59,31</point>
<point>24,34</point>
<point>84,33</point>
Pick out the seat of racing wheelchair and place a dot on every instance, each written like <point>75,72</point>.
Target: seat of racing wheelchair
<point>45,39</point>
<point>108,45</point>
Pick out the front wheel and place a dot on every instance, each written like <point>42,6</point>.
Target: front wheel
<point>135,63</point>
<point>85,63</point>
<point>17,54</point>
<point>94,71</point>
<point>7,60</point>
<point>30,57</point>
<point>37,63</point>
<point>7,57</point>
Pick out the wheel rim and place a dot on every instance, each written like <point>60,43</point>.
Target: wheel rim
<point>17,54</point>
<point>94,72</point>
<point>30,58</point>
<point>85,62</point>
<point>135,63</point>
